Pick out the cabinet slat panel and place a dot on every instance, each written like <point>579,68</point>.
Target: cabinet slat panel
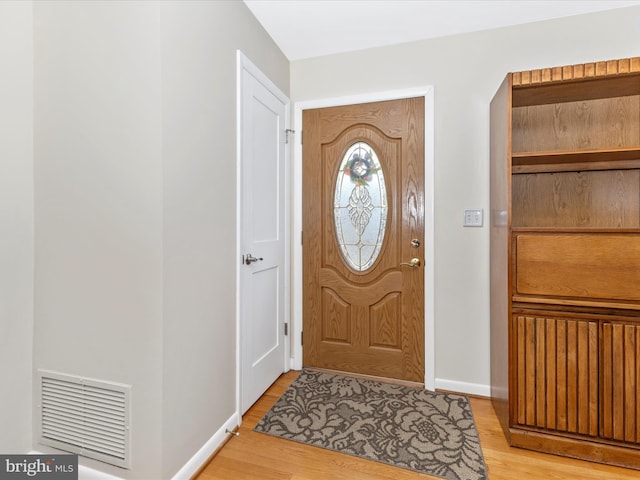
<point>551,373</point>
<point>612,67</point>
<point>520,329</point>
<point>618,382</point>
<point>637,376</point>
<point>578,71</point>
<point>594,384</point>
<point>607,383</point>
<point>557,377</point>
<point>583,378</point>
<point>561,374</point>
<point>517,78</point>
<point>530,378</point>
<point>620,364</point>
<point>630,392</point>
<point>536,76</point>
<point>587,384</point>
<point>572,377</point>
<point>540,369</point>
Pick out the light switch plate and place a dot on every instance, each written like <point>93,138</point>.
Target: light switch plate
<point>473,218</point>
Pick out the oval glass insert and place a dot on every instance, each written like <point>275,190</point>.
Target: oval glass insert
<point>360,206</point>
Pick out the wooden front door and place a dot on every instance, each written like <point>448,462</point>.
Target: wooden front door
<point>363,239</point>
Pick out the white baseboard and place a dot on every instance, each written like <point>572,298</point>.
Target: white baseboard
<point>202,455</point>
<point>187,470</point>
<point>463,387</point>
<point>85,473</point>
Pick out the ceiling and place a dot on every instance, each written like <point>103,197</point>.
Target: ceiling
<point>311,28</point>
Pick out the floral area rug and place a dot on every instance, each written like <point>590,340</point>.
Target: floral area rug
<point>431,433</point>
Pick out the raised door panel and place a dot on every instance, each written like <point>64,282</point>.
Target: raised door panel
<point>556,377</point>
<point>336,318</point>
<point>620,382</point>
<point>385,331</point>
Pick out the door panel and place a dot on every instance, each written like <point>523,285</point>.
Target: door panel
<point>370,321</point>
<point>557,374</point>
<point>620,415</point>
<point>262,236</point>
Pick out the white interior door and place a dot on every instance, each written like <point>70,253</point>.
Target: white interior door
<point>262,234</point>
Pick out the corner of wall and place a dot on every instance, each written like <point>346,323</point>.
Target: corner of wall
<point>16,223</point>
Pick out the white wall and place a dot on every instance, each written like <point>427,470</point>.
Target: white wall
<point>98,205</point>
<point>199,42</point>
<point>135,222</point>
<point>16,224</point>
<point>465,71</point>
<point>134,169</point>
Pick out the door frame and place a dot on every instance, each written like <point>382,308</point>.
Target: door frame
<point>244,64</point>
<point>429,197</point>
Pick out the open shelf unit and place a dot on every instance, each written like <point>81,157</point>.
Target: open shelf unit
<point>576,160</point>
<point>565,260</point>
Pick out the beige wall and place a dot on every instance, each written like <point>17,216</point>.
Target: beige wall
<point>135,222</point>
<point>98,205</point>
<point>133,159</point>
<point>465,71</point>
<point>16,224</point>
<point>199,42</point>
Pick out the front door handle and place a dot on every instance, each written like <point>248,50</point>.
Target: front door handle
<point>249,259</point>
<point>414,263</point>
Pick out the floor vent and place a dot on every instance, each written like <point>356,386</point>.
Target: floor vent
<point>85,416</point>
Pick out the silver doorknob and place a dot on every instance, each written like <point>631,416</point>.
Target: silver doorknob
<point>249,259</point>
<point>413,263</point>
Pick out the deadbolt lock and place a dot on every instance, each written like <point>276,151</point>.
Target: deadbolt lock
<point>415,243</point>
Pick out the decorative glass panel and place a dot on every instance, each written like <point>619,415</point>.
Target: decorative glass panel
<point>360,206</point>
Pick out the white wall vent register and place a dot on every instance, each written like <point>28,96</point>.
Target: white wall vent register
<point>85,416</point>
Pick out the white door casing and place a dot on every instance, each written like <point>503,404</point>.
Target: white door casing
<point>263,233</point>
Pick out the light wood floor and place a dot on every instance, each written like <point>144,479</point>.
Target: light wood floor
<point>256,456</point>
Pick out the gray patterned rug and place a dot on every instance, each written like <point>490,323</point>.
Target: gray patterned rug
<point>431,433</point>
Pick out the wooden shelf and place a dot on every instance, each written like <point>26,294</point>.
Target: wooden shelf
<point>607,304</point>
<point>585,230</point>
<point>622,158</point>
<point>578,89</point>
<point>565,302</point>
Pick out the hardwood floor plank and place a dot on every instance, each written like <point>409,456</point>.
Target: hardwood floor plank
<point>257,456</point>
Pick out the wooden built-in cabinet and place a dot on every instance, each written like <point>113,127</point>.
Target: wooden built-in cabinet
<point>565,260</point>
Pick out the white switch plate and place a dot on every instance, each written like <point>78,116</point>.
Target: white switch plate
<point>473,218</point>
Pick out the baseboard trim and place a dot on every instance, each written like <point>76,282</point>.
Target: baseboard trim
<point>188,470</point>
<point>85,473</point>
<point>202,456</point>
<point>463,387</point>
